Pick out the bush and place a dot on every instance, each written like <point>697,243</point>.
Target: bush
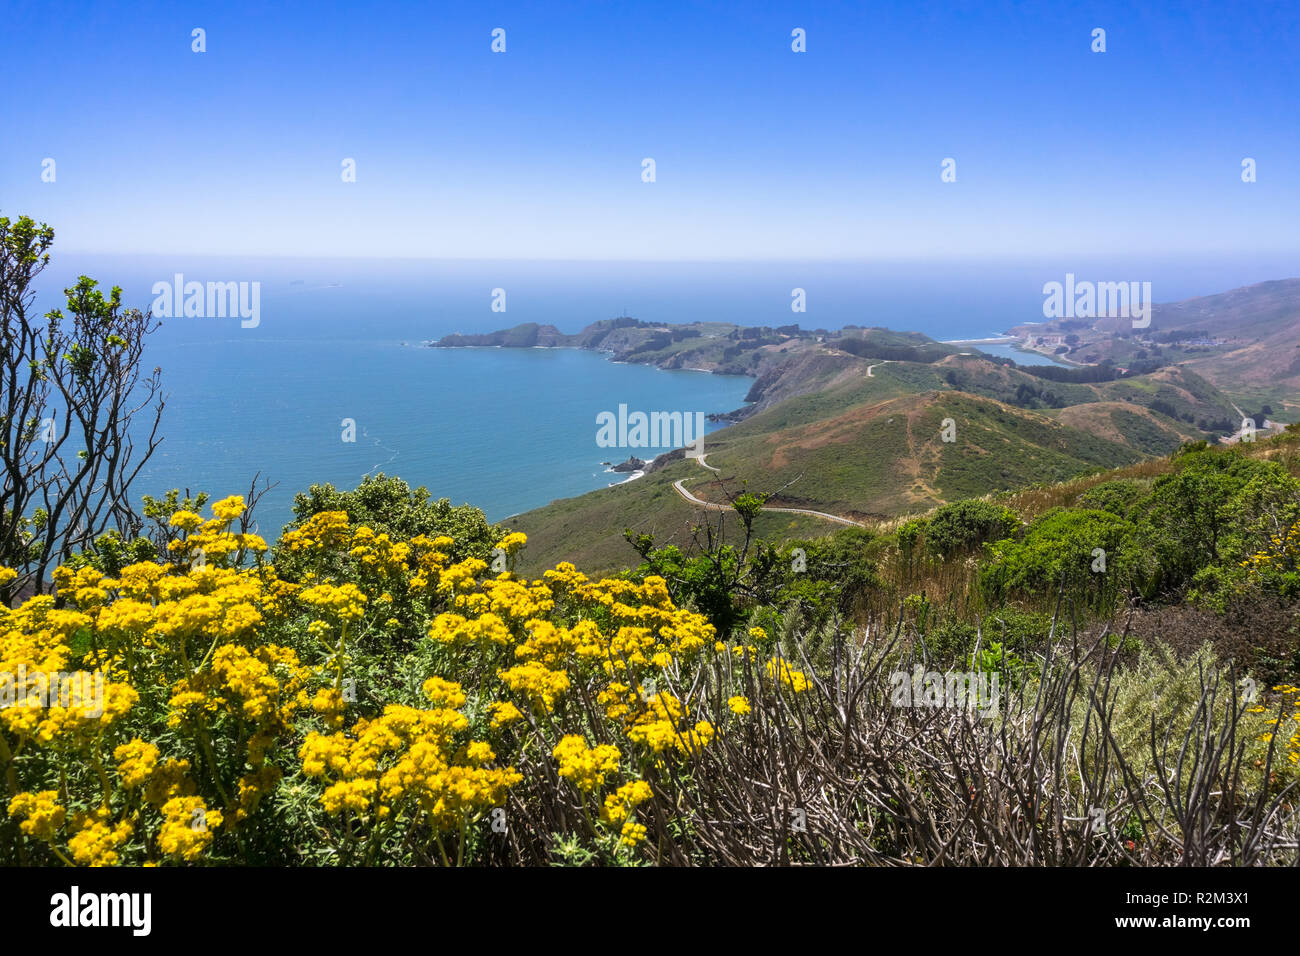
<point>1117,497</point>
<point>966,525</point>
<point>381,708</point>
<point>1214,512</point>
<point>1082,551</point>
<point>389,505</point>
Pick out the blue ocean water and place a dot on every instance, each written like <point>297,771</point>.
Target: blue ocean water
<point>504,429</point>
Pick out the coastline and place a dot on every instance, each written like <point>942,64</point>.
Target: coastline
<point>632,477</point>
<point>992,340</point>
<point>610,356</point>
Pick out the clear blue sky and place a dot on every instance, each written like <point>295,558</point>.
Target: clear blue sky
<point>760,152</point>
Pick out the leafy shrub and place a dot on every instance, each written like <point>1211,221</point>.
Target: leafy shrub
<point>996,659</point>
<point>389,704</point>
<point>1117,497</point>
<point>1060,550</point>
<point>391,506</point>
<point>952,640</point>
<point>965,525</point>
<point>1216,513</point>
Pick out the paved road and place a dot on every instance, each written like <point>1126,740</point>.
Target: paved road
<point>680,488</point>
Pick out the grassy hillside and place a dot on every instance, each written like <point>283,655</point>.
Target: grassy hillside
<point>867,449</point>
<point>1245,341</point>
<point>862,438</point>
<point>588,529</point>
<point>853,422</point>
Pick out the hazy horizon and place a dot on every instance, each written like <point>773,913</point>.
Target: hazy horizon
<point>419,300</point>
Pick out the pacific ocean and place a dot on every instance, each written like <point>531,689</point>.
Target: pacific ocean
<point>503,429</point>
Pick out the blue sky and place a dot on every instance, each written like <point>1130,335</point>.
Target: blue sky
<point>760,152</point>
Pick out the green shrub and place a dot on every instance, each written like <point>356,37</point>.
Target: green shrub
<point>1080,550</point>
<point>1117,497</point>
<point>390,505</point>
<point>965,525</point>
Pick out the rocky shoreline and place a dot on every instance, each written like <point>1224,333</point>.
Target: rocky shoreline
<point>784,361</point>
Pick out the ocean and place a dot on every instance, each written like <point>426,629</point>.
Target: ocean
<point>503,429</point>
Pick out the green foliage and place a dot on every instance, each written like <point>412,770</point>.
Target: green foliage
<point>996,659</point>
<point>1060,549</point>
<point>748,504</point>
<point>158,512</point>
<point>908,537</point>
<point>390,505</point>
<point>708,580</point>
<point>110,553</point>
<point>951,640</point>
<point>1200,522</point>
<point>818,579</point>
<point>964,525</point>
<point>1159,686</point>
<point>1117,497</point>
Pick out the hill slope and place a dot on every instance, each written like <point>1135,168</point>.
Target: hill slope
<point>1245,341</point>
<point>864,448</point>
<point>869,424</point>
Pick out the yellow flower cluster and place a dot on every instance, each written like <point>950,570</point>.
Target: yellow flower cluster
<point>664,724</point>
<point>1288,705</point>
<point>208,601</point>
<point>430,561</point>
<point>512,542</point>
<point>504,713</point>
<point>1283,551</point>
<point>40,813</point>
<point>39,699</point>
<point>136,762</point>
<point>738,705</point>
<point>96,838</point>
<point>619,804</point>
<point>508,599</point>
<point>777,669</point>
<point>323,531</point>
<point>205,541</point>
<point>187,827</point>
<point>539,685</point>
<point>261,686</point>
<point>343,601</point>
<point>409,759</point>
<point>221,660</point>
<point>632,833</point>
<point>455,629</point>
<point>377,552</point>
<point>461,576</point>
<point>585,767</point>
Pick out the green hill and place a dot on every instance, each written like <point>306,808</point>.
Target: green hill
<point>852,423</point>
<point>863,448</point>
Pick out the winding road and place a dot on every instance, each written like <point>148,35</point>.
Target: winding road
<point>680,488</point>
